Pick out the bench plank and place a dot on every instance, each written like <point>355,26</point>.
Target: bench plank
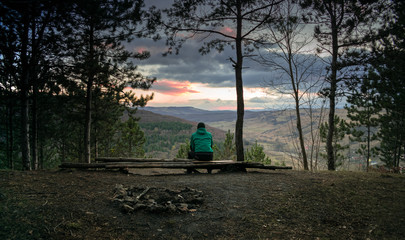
<point>121,163</point>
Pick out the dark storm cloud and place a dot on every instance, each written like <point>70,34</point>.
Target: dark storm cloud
<point>214,68</point>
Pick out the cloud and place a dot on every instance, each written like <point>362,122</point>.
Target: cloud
<point>199,80</point>
<point>173,88</point>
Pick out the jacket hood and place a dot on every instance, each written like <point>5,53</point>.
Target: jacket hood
<point>201,131</point>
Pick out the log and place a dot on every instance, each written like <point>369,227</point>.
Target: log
<point>120,159</point>
<point>170,165</point>
<point>82,165</point>
<point>270,167</point>
<point>179,163</point>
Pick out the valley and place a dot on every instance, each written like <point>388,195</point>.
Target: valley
<point>274,130</point>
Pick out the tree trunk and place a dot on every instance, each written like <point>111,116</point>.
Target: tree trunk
<point>34,94</point>
<point>294,84</point>
<point>301,135</point>
<point>35,127</point>
<point>331,130</point>
<point>25,138</point>
<point>90,79</point>
<point>239,89</point>
<point>87,127</point>
<point>332,95</point>
<point>368,144</point>
<point>10,132</point>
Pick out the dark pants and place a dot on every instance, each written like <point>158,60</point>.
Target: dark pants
<point>201,156</point>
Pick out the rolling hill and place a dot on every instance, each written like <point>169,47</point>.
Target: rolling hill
<point>164,134</point>
<point>274,130</point>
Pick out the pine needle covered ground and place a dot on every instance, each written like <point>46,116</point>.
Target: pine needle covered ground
<point>264,204</point>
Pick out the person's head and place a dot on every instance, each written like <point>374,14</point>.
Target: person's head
<point>201,125</point>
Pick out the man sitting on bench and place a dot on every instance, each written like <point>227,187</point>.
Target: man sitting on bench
<point>201,145</point>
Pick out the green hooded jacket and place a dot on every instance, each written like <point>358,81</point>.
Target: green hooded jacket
<point>201,141</point>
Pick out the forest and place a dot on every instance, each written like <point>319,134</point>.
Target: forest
<point>65,71</point>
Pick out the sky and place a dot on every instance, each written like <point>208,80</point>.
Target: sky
<point>205,81</point>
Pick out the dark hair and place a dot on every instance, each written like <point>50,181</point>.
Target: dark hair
<point>201,125</point>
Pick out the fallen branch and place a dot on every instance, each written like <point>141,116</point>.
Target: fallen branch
<point>143,193</point>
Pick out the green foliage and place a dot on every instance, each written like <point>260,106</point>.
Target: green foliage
<point>363,113</point>
<point>68,48</point>
<point>227,150</point>
<point>183,150</point>
<point>341,129</point>
<point>172,126</point>
<point>378,97</point>
<point>256,154</point>
<point>129,140</point>
<point>388,61</point>
<point>164,137</point>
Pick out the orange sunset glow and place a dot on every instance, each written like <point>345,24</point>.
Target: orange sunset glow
<point>175,93</point>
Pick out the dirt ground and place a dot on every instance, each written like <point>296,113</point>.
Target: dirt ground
<point>265,204</point>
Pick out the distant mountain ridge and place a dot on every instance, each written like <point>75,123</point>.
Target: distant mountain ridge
<point>200,115</point>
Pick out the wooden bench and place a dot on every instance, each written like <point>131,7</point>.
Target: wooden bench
<point>176,163</point>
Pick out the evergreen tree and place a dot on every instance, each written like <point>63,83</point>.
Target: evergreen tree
<point>342,25</point>
<point>363,113</point>
<point>183,150</point>
<point>227,150</point>
<point>98,59</point>
<point>256,154</point>
<point>26,38</point>
<point>129,140</point>
<point>341,129</point>
<point>388,73</point>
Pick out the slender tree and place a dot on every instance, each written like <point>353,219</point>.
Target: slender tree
<point>8,79</point>
<point>341,25</point>
<point>292,60</point>
<point>235,23</point>
<point>363,112</point>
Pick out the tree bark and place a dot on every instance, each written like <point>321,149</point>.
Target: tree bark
<point>34,80</point>
<point>90,80</point>
<point>87,127</point>
<point>332,94</point>
<point>25,138</point>
<point>301,135</point>
<point>10,133</point>
<point>331,130</point>
<point>240,156</point>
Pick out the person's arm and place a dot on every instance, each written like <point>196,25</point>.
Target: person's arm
<point>192,147</point>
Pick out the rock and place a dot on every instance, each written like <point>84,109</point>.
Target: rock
<point>120,191</point>
<point>171,207</point>
<point>139,206</point>
<point>183,207</point>
<point>129,199</point>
